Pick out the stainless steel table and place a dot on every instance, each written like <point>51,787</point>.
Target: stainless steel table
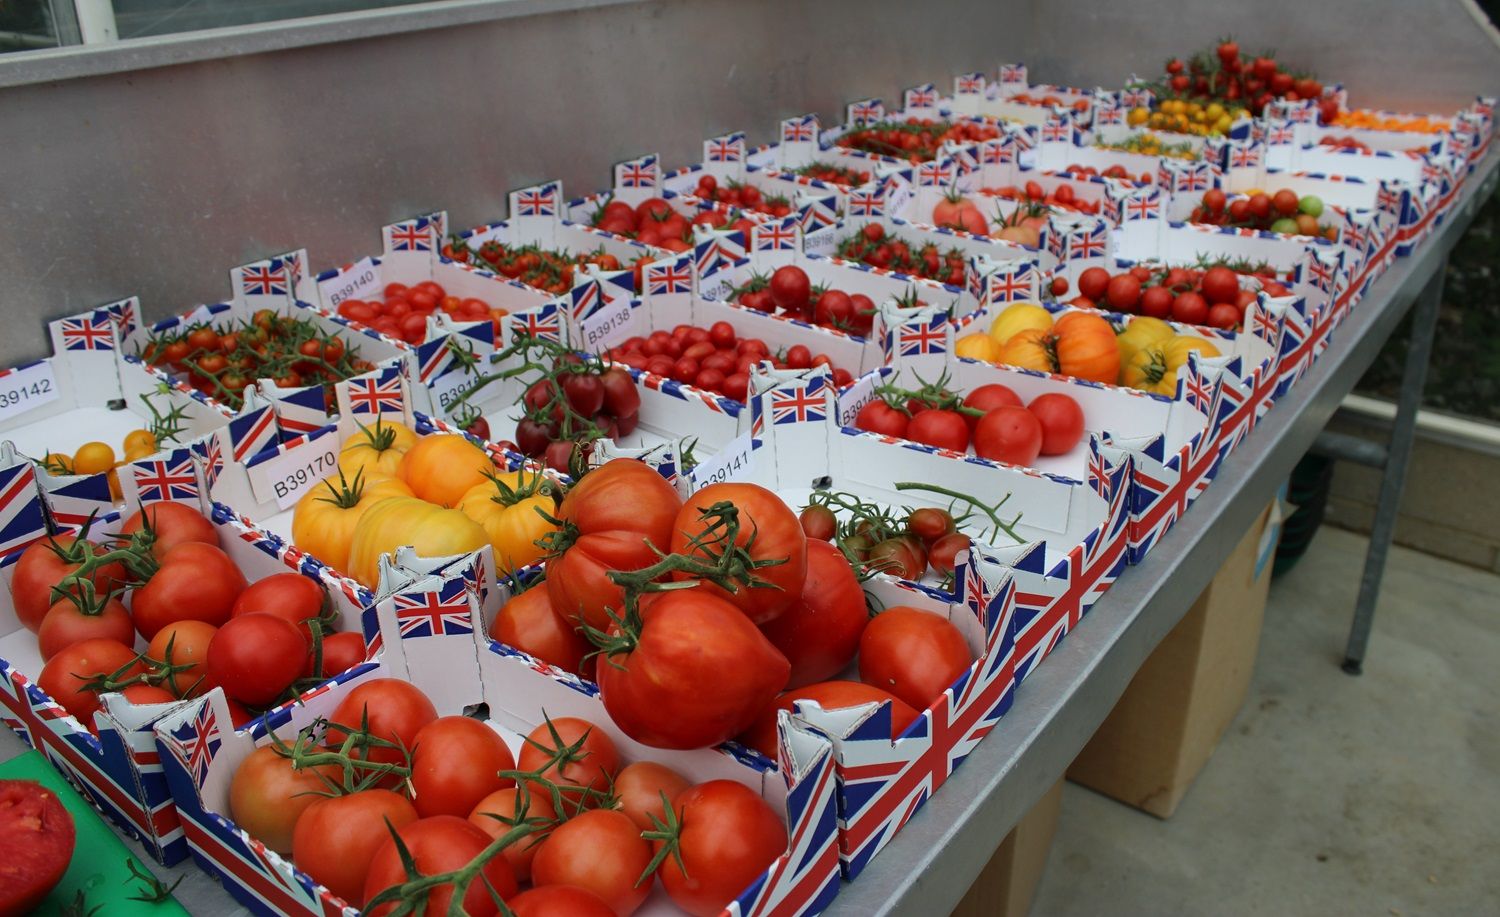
<point>932,862</point>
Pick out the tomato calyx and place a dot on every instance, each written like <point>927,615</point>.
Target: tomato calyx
<point>668,831</point>
<point>147,672</point>
<point>156,891</point>
<point>351,757</point>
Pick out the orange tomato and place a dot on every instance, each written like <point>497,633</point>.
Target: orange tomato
<point>442,468</point>
<point>93,458</point>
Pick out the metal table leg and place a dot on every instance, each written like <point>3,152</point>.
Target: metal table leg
<point>1398,454</point>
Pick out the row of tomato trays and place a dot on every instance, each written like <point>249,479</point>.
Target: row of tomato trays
<point>794,416</point>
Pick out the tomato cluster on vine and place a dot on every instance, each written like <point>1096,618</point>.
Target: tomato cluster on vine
<point>992,419</point>
<point>1283,211</point>
<point>915,140</point>
<point>843,176</point>
<point>715,359</point>
<point>742,195</point>
<point>403,311</point>
<point>292,352</point>
<point>545,269</point>
<point>873,246</point>
<point>790,292</point>
<point>1225,74</point>
<point>1063,197</point>
<point>1193,296</point>
<point>576,402</point>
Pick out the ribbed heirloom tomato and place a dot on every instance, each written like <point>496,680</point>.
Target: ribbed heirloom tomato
<point>768,529</point>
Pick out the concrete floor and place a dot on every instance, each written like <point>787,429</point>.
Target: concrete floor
<point>1329,795</point>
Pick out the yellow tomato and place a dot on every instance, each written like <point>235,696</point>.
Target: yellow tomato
<point>1137,116</point>
<point>1019,317</point>
<point>1154,367</point>
<point>324,518</point>
<point>510,508</point>
<point>138,440</point>
<point>58,463</point>
<point>977,346</point>
<point>376,450</point>
<point>1141,331</point>
<point>408,521</point>
<point>93,458</point>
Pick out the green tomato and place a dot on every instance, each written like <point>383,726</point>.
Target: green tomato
<point>1286,225</point>
<point>1311,204</point>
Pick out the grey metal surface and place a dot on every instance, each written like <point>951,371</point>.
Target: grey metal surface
<point>1393,482</point>
<point>152,166</point>
<point>1351,448</point>
<point>935,858</point>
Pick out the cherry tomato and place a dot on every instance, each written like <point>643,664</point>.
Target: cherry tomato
<point>901,557</point>
<point>929,523</point>
<point>915,655</point>
<point>943,554</point>
<point>818,522</point>
<point>1093,282</point>
<point>456,763</point>
<point>790,288</point>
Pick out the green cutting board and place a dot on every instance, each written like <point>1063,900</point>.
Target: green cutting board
<point>99,856</point>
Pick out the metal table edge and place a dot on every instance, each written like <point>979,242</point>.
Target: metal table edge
<point>933,860</point>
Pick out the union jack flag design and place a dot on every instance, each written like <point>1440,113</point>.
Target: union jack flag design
<point>968,84</point>
<point>213,458</point>
<point>376,394</point>
<point>1136,98</point>
<point>411,236</point>
<point>1112,115</point>
<point>251,433</point>
<point>540,201</point>
<point>924,96</point>
<point>805,879</point>
<point>866,111</point>
<point>776,236</point>
<point>1087,241</point>
<point>638,173</point>
<point>94,331</point>
<point>1013,73</point>
<point>586,297</point>
<point>543,322</point>
<point>432,356</point>
<point>21,515</point>
<point>864,202</point>
<point>800,130</point>
<point>729,148</point>
<point>1194,388</point>
<point>800,405</point>
<point>1010,282</point>
<point>714,254</point>
<point>996,152</point>
<point>1263,323</point>
<point>1388,199</point>
<point>265,278</point>
<point>126,313</point>
<point>668,278</point>
<point>1163,491</point>
<point>198,741</point>
<point>444,613</point>
<point>301,410</point>
<point>934,174</point>
<point>885,783</point>
<point>1244,156</point>
<point>170,479</point>
<point>1279,133</point>
<point>1143,206</point>
<point>1193,177</point>
<point>922,338</point>
<point>1056,131</point>
<point>71,504</point>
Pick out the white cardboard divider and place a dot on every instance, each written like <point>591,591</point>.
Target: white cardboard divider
<point>114,760</point>
<point>447,656</point>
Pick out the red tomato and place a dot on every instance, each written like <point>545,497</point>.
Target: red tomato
<point>336,838</point>
<point>65,675</point>
<point>798,356</point>
<point>943,555</point>
<point>267,796</point>
<point>727,837</point>
<point>502,810</point>
<point>1093,282</point>
<point>768,529</point>
<point>830,695</point>
<point>902,556</point>
<point>639,789</point>
<point>591,766</point>
<point>620,510</point>
<point>1008,434</point>
<point>36,844</point>
<point>988,397</point>
<point>1190,308</point>
<point>528,623</point>
<point>184,643</point>
<point>601,851</point>
<point>1224,315</point>
<point>42,566</point>
<point>653,208</point>
<point>941,428</point>
<point>670,689</point>
<point>456,763</point>
<point>290,596</point>
<point>1220,284</point>
<point>396,710</point>
<point>620,394</point>
<point>196,581</point>
<point>880,417</point>
<point>1123,292</point>
<point>440,844</point>
<point>341,652</point>
<point>818,523</point>
<point>256,657</point>
<point>559,901</point>
<point>1061,419</point>
<point>790,288</point>
<point>1156,302</point>
<point>913,654</point>
<point>66,625</point>
<point>819,634</point>
<point>172,523</point>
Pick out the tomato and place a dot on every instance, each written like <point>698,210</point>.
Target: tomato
<point>376,450</point>
<point>819,634</point>
<point>65,625</point>
<point>559,901</point>
<point>256,657</point>
<point>267,795</point>
<point>620,394</point>
<point>430,530</point>
<point>1061,419</point>
<point>988,397</point>
<point>670,689</point>
<point>184,643</point>
<point>943,554</point>
<point>455,763</point>
<point>639,790</point>
<point>1093,283</point>
<point>913,654</point>
<point>1224,315</point>
<point>1123,292</point>
<point>36,844</point>
<point>768,531</point>
<point>548,749</point>
<point>147,694</point>
<point>818,524</point>
<point>901,556</point>
<point>397,711</point>
<point>442,468</point>
<point>578,583</point>
<point>335,838</point>
<point>791,289</point>
<point>93,458</point>
<point>1156,302</point>
<point>727,837</point>
<point>929,523</point>
<point>65,674</point>
<point>1220,284</point>
<point>1008,434</point>
<point>528,623</point>
<point>601,851</point>
<point>1190,308</point>
<point>940,428</point>
<point>513,509</point>
<point>42,566</point>
<point>437,845</point>
<point>196,581</point>
<point>879,417</point>
<point>341,652</point>
<point>173,524</point>
<point>290,596</point>
<point>654,208</point>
